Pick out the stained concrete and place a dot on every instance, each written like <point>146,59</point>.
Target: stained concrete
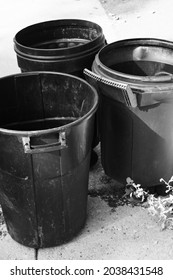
<point>11,250</point>
<point>114,230</point>
<point>140,18</point>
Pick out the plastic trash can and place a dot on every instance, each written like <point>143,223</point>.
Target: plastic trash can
<point>65,45</point>
<point>135,83</point>
<point>46,129</point>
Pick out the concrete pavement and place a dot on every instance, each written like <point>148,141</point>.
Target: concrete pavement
<point>102,237</point>
<point>140,18</point>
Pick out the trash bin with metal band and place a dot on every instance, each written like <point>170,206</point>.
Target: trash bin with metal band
<point>135,81</point>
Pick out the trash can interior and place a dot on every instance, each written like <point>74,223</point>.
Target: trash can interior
<point>140,57</point>
<point>58,34</point>
<point>42,101</point>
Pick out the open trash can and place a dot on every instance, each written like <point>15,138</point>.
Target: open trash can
<point>135,82</point>
<point>46,129</point>
<point>65,45</point>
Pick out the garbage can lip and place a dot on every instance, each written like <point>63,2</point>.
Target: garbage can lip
<point>55,129</point>
<point>131,42</point>
<point>28,50</point>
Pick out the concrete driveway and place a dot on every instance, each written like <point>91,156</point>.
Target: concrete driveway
<point>112,231</point>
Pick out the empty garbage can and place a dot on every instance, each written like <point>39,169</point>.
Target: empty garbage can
<point>135,82</point>
<point>46,128</point>
<point>66,45</point>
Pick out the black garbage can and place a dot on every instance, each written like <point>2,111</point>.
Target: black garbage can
<point>135,82</point>
<point>66,45</point>
<point>46,129</point>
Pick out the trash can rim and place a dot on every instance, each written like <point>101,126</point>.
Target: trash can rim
<point>72,50</point>
<point>129,42</point>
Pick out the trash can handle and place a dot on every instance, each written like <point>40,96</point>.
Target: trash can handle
<point>44,148</point>
<point>162,76</point>
<point>129,97</point>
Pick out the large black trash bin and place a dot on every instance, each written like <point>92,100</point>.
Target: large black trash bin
<point>46,128</point>
<point>135,82</point>
<point>65,45</point>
